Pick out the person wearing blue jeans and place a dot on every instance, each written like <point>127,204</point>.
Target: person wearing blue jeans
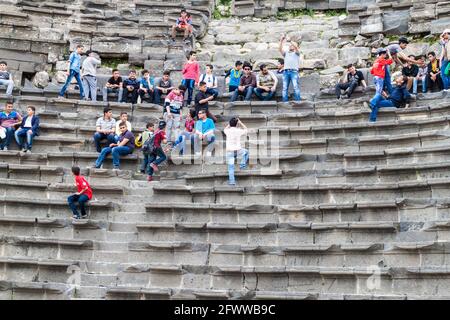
<point>105,129</point>
<point>155,158</point>
<point>291,67</point>
<point>234,148</point>
<point>124,146</point>
<point>28,130</point>
<point>204,131</point>
<point>445,56</point>
<point>396,99</point>
<point>246,85</point>
<point>266,83</point>
<point>191,74</point>
<point>6,78</point>
<point>74,71</point>
<point>9,119</point>
<point>83,195</point>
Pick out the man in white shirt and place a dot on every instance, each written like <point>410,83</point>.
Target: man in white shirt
<point>234,148</point>
<point>89,74</point>
<point>211,81</point>
<point>123,118</point>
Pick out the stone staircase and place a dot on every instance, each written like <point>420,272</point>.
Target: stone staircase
<point>352,210</point>
<point>34,35</point>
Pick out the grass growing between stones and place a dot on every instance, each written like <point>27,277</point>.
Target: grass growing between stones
<point>113,62</point>
<point>222,9</point>
<point>295,13</point>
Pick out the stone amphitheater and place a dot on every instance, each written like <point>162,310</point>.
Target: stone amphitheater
<point>338,209</point>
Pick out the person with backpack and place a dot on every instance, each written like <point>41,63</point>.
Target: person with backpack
<point>211,81</point>
<point>153,150</point>
<point>83,195</point>
<point>143,137</point>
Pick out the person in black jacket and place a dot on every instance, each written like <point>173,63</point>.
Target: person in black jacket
<point>28,129</point>
<point>434,79</point>
<point>131,88</point>
<point>410,71</point>
<point>398,98</point>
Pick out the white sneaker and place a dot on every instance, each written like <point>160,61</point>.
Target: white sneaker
<point>208,154</point>
<point>5,149</point>
<point>198,154</point>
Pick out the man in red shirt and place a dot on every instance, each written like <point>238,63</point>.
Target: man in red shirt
<point>83,195</point>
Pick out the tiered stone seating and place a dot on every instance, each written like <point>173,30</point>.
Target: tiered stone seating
<point>348,203</point>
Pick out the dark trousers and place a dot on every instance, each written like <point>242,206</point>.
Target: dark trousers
<point>81,199</point>
<point>157,158</point>
<point>344,86</point>
<point>435,85</point>
<point>189,83</point>
<point>130,96</point>
<point>148,97</point>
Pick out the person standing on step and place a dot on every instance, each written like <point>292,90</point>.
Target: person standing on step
<point>73,71</point>
<point>157,156</point>
<point>246,84</point>
<point>89,75</point>
<point>266,84</point>
<point>235,75</point>
<point>234,131</point>
<point>83,195</point>
<point>6,78</point>
<point>9,120</point>
<point>28,130</point>
<point>191,74</point>
<point>353,79</point>
<point>123,147</point>
<point>445,58</point>
<point>211,81</point>
<point>163,87</point>
<point>123,118</point>
<point>291,68</point>
<point>183,24</point>
<point>105,129</point>
<point>147,87</point>
<point>173,108</point>
<point>434,79</point>
<point>202,101</point>
<point>398,98</point>
<point>379,71</point>
<point>131,88</point>
<point>114,84</point>
<point>146,135</point>
<point>411,71</point>
<point>204,132</point>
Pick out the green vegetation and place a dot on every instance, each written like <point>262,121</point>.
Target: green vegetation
<point>335,13</point>
<point>294,13</point>
<point>218,14</point>
<point>113,62</point>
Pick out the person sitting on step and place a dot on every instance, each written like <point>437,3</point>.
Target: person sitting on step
<point>183,24</point>
<point>353,79</point>
<point>6,78</point>
<point>114,84</point>
<point>398,98</point>
<point>146,87</point>
<point>123,147</point>
<point>202,101</point>
<point>235,75</point>
<point>131,88</point>
<point>105,129</point>
<point>204,132</point>
<point>246,84</point>
<point>434,79</point>
<point>234,148</point>
<point>211,81</point>
<point>123,118</point>
<point>266,83</point>
<point>411,71</point>
<point>28,130</point>
<point>83,195</point>
<point>9,120</point>
<point>280,66</point>
<point>163,86</point>
<point>186,135</point>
